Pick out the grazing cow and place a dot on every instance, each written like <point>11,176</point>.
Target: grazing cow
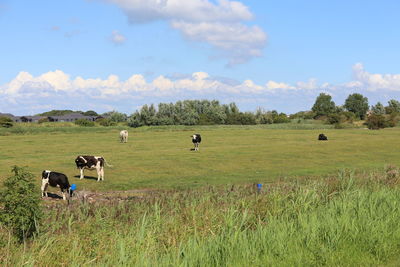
<point>123,136</point>
<point>56,179</point>
<point>322,137</point>
<point>196,139</point>
<point>91,163</point>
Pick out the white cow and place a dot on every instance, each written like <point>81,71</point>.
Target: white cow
<point>123,136</point>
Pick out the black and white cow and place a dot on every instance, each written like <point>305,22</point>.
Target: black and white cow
<point>196,139</point>
<point>91,163</point>
<point>56,179</point>
<point>322,137</point>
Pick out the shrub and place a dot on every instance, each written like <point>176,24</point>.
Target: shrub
<point>281,118</point>
<point>334,118</point>
<point>43,120</point>
<point>106,122</point>
<point>21,204</point>
<point>375,122</point>
<point>392,119</point>
<point>6,122</point>
<point>84,122</point>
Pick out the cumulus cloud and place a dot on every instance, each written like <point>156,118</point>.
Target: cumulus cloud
<point>220,24</point>
<point>374,82</point>
<point>139,11</point>
<point>26,91</point>
<point>117,38</point>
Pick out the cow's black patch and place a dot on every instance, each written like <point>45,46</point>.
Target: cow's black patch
<point>322,137</point>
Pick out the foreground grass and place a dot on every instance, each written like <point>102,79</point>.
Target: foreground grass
<point>160,157</point>
<point>340,221</point>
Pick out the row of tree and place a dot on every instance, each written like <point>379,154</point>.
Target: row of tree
<point>205,112</point>
<point>356,107</point>
<point>355,103</point>
<point>201,112</point>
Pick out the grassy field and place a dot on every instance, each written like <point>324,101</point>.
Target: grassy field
<point>347,214</point>
<point>160,157</point>
<point>346,220</point>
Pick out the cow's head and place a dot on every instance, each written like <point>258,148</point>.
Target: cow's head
<point>80,162</point>
<point>45,174</point>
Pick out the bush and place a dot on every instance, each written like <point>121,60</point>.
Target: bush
<point>281,118</point>
<point>392,119</point>
<point>6,122</point>
<point>84,122</point>
<point>21,204</point>
<point>375,122</point>
<point>43,120</point>
<point>106,122</point>
<point>334,118</point>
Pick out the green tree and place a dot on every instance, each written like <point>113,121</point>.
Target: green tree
<point>323,105</point>
<point>6,122</point>
<point>135,120</point>
<point>90,113</point>
<point>378,109</point>
<point>115,116</point>
<point>20,199</point>
<point>358,104</point>
<point>393,107</point>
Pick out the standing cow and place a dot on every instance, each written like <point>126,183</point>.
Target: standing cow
<point>91,163</point>
<point>123,136</point>
<point>56,179</point>
<point>196,140</point>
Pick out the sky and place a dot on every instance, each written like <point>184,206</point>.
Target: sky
<point>108,55</point>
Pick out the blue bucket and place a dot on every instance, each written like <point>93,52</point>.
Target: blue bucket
<point>259,186</point>
<point>73,187</point>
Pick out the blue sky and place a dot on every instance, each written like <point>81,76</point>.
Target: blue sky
<point>120,54</point>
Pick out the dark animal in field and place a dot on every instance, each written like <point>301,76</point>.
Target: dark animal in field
<point>91,163</point>
<point>123,136</point>
<point>322,137</point>
<point>56,179</point>
<point>196,139</point>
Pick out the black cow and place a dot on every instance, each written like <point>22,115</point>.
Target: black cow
<point>322,137</point>
<point>196,139</point>
<point>55,179</point>
<point>91,163</point>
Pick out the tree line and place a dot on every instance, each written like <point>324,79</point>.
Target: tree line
<point>206,112</point>
<point>356,107</point>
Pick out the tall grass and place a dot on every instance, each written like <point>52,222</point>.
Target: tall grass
<point>344,220</point>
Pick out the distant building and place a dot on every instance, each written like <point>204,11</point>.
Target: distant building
<point>71,117</point>
<point>31,118</point>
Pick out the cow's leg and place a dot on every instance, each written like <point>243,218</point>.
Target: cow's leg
<point>63,194</point>
<point>45,183</point>
<point>98,169</point>
<point>102,173</point>
<point>81,177</point>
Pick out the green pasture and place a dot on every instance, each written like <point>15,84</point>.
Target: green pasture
<point>160,157</point>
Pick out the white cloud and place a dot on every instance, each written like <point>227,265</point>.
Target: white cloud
<point>27,92</point>
<point>237,41</point>
<point>374,82</point>
<point>218,24</point>
<point>117,38</point>
<point>139,11</point>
